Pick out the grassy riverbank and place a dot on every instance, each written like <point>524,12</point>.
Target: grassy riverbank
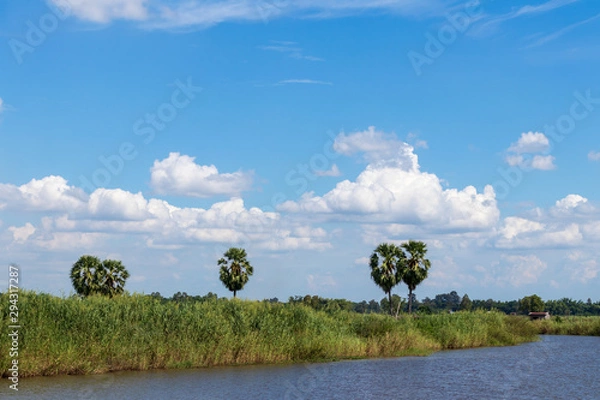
<point>583,326</point>
<point>135,332</point>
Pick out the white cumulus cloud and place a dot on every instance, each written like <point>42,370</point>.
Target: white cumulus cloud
<point>515,226</point>
<point>117,204</point>
<point>51,193</point>
<point>393,189</point>
<point>570,202</point>
<point>571,222</point>
<point>527,152</point>
<point>543,163</point>
<point>530,142</point>
<point>180,175</point>
<point>556,235</point>
<point>21,234</point>
<point>84,221</point>
<point>377,147</point>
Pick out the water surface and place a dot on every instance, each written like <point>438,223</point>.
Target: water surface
<point>557,367</point>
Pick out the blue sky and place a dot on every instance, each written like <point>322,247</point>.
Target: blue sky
<point>163,132</point>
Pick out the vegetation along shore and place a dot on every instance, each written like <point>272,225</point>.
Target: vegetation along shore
<point>103,328</point>
<point>137,332</point>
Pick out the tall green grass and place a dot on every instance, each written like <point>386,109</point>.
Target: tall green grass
<point>476,329</point>
<point>584,326</point>
<point>136,332</point>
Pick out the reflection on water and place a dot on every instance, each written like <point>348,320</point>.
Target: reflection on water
<point>557,367</point>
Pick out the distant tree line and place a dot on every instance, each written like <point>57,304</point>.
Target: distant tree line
<point>441,303</point>
<point>390,265</point>
<point>451,302</point>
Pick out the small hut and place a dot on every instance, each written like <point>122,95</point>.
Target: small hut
<point>539,315</point>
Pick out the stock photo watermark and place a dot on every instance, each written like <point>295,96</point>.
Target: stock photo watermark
<point>308,382</point>
<point>302,174</point>
<point>145,127</point>
<point>299,179</point>
<point>270,8</point>
<point>456,24</point>
<point>14,327</point>
<point>38,31</point>
<point>583,106</point>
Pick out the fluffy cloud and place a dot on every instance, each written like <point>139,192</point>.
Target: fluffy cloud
<point>526,152</point>
<point>570,202</point>
<point>21,234</point>
<point>83,220</point>
<point>515,226</point>
<point>392,189</point>
<point>117,204</point>
<point>51,193</point>
<point>552,237</point>
<point>180,175</point>
<point>530,142</point>
<point>572,221</point>
<point>543,163</point>
<point>377,147</point>
<point>574,207</point>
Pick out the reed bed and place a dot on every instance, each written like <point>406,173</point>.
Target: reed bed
<point>136,332</point>
<point>582,326</point>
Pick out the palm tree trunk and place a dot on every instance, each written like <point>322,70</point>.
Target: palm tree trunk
<point>390,300</point>
<point>398,308</point>
<point>234,292</point>
<point>410,300</point>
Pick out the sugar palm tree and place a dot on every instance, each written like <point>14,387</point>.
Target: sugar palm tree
<point>86,275</point>
<point>91,276</point>
<point>417,267</point>
<point>114,277</point>
<point>390,271</point>
<point>235,269</point>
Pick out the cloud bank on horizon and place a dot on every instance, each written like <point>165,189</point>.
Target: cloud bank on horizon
<point>390,200</point>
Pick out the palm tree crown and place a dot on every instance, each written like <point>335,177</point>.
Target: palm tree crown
<point>417,267</point>
<point>91,276</point>
<point>235,269</point>
<point>115,276</point>
<point>391,270</point>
